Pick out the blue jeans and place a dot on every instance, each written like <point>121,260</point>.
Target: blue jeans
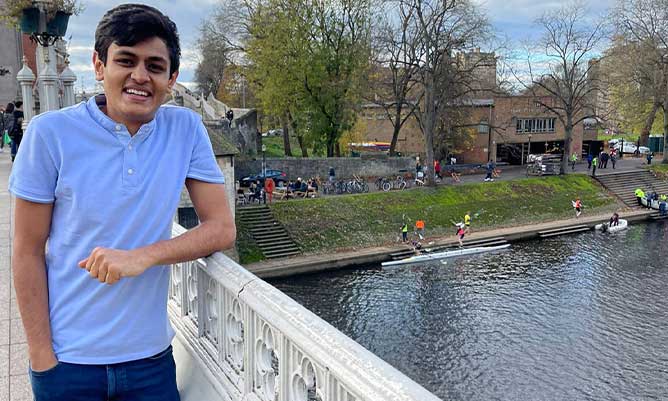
<point>149,379</point>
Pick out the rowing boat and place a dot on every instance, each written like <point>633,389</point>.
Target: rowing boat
<point>445,254</point>
<point>623,225</point>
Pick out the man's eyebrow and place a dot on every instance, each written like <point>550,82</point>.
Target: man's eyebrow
<point>128,53</point>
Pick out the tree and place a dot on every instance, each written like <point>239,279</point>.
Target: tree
<point>307,59</point>
<point>637,87</point>
<point>443,27</point>
<point>645,23</point>
<point>394,69</point>
<point>566,85</point>
<point>214,59</point>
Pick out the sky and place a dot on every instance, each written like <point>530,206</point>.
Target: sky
<point>513,19</point>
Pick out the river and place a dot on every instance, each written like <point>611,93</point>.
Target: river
<point>581,317</point>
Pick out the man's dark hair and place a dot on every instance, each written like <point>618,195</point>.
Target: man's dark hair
<point>18,104</point>
<point>9,108</point>
<point>129,24</point>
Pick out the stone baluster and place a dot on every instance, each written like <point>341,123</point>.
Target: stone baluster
<point>48,80</point>
<point>26,80</point>
<point>68,79</point>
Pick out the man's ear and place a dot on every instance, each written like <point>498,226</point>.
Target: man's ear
<point>98,65</point>
<point>172,79</point>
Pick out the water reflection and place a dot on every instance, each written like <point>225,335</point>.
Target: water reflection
<point>569,318</point>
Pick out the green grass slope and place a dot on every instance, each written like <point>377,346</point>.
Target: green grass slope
<point>343,222</point>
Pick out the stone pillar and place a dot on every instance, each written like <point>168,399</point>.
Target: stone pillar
<point>26,80</point>
<point>48,81</point>
<point>68,79</point>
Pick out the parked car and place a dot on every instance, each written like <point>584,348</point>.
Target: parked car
<point>643,150</point>
<point>277,175</point>
<point>629,147</point>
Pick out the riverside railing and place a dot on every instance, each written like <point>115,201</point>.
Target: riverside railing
<point>252,342</point>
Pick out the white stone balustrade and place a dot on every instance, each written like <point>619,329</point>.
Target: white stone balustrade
<point>241,339</point>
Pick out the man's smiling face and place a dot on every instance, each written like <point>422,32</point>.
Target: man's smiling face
<point>136,80</point>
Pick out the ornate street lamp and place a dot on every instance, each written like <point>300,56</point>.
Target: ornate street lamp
<point>44,22</point>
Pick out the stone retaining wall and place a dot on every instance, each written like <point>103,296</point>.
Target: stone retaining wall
<point>345,167</point>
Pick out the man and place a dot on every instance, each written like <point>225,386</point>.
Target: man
<point>101,181</point>
<point>574,160</point>
<point>594,163</point>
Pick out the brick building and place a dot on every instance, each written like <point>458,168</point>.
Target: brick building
<point>503,127</point>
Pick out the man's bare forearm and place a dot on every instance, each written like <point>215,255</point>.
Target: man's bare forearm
<point>203,240</point>
<point>32,296</point>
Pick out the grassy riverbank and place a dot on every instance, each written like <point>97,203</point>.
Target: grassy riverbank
<point>357,221</point>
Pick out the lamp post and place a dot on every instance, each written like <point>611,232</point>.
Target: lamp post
<point>264,164</point>
<point>529,150</point>
<point>621,147</point>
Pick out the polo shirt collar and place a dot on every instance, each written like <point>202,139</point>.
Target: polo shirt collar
<point>112,126</point>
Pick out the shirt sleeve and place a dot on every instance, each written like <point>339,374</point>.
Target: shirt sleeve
<point>203,164</point>
<point>34,173</point>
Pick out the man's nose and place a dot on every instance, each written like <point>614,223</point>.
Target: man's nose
<point>140,74</point>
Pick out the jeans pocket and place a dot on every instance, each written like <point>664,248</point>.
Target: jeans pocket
<point>44,372</point>
<point>161,355</point>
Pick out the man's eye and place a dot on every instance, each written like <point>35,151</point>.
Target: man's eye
<point>156,68</point>
<point>124,61</point>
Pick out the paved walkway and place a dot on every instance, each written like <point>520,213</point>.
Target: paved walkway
<point>14,380</point>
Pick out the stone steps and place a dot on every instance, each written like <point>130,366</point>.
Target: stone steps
<point>624,184</point>
<point>563,230</point>
<point>270,236</point>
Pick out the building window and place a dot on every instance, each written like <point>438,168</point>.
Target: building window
<point>483,127</point>
<point>535,125</point>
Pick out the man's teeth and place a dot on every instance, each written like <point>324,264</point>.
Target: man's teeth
<point>136,92</point>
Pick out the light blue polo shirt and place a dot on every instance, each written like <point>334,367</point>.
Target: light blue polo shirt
<point>112,190</point>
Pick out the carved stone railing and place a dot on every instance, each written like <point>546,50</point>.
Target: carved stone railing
<point>239,338</point>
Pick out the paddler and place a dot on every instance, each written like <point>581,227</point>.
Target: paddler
<point>460,233</point>
<point>614,220</point>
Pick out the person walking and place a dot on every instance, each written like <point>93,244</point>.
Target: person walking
<point>404,232</point>
<point>489,170</point>
<point>574,159</point>
<point>613,159</point>
<point>594,163</point>
<point>101,182</point>
<point>590,158</point>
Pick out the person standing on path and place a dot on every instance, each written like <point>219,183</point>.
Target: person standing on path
<point>467,221</point>
<point>574,159</point>
<point>269,187</point>
<point>332,175</point>
<point>594,163</point>
<point>101,182</point>
<point>16,129</point>
<point>613,159</point>
<point>404,232</point>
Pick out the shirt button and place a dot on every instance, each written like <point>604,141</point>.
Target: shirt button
<point>130,147</point>
<point>131,171</point>
<point>118,127</point>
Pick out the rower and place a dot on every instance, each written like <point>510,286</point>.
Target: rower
<point>614,220</point>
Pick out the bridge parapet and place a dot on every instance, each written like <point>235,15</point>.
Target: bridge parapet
<point>241,339</point>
